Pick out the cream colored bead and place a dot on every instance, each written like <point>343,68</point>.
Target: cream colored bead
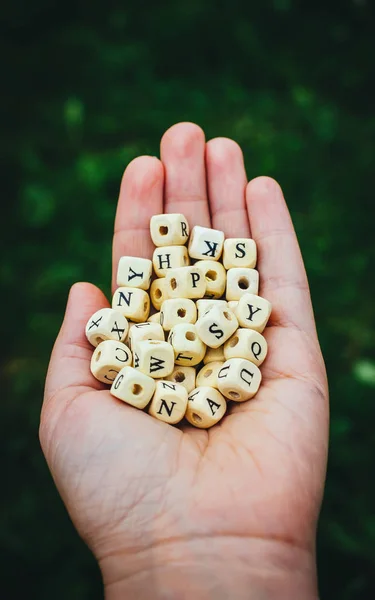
<point>106,324</point>
<point>185,282</point>
<point>133,387</point>
<point>214,355</point>
<point>169,230</point>
<point>177,310</point>
<point>145,331</point>
<point>169,402</point>
<point>206,406</point>
<point>158,292</point>
<point>134,272</point>
<point>208,374</point>
<point>239,252</point>
<point>155,318</point>
<point>108,359</point>
<point>215,276</point>
<point>216,326</point>
<point>246,343</point>
<point>133,303</point>
<point>233,305</point>
<point>169,257</point>
<point>188,349</point>
<point>253,312</point>
<point>241,281</point>
<point>206,243</point>
<point>154,358</point>
<point>239,379</point>
<point>204,304</point>
<point>183,375</point>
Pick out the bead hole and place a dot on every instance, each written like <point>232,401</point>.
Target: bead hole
<point>137,389</point>
<point>227,315</point>
<point>158,293</point>
<point>243,283</point>
<point>233,342</point>
<point>190,335</point>
<point>98,356</point>
<point>173,283</point>
<point>163,230</point>
<point>179,377</point>
<point>99,340</point>
<point>181,313</point>
<point>196,418</point>
<point>208,373</point>
<point>186,262</point>
<point>211,275</point>
<point>234,395</point>
<point>145,306</point>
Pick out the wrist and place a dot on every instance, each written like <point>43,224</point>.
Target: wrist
<point>213,568</point>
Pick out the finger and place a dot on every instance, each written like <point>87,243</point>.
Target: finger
<point>70,361</point>
<point>183,155</point>
<point>141,197</point>
<point>226,182</point>
<point>283,279</point>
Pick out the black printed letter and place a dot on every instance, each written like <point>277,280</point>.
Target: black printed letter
<point>218,333</point>
<point>211,248</point>
<point>240,250</point>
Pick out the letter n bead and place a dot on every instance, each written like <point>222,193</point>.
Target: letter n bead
<point>108,359</point>
<point>133,303</point>
<point>216,326</point>
<point>206,406</point>
<point>239,379</point>
<point>106,324</point>
<point>253,312</point>
<point>133,387</point>
<point>169,230</point>
<point>134,272</point>
<point>169,402</point>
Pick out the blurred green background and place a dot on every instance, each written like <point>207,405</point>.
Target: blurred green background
<point>87,86</point>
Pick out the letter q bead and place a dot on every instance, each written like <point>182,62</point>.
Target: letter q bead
<point>106,324</point>
<point>239,379</point>
<point>169,230</point>
<point>216,326</point>
<point>241,281</point>
<point>246,343</point>
<point>206,406</point>
<point>169,402</point>
<point>108,359</point>
<point>133,387</point>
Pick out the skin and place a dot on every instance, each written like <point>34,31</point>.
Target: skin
<point>179,512</point>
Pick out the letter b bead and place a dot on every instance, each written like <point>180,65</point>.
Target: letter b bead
<point>239,379</point>
<point>216,326</point>
<point>169,402</point>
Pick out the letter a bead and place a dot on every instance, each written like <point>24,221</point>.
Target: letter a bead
<point>133,387</point>
<point>133,303</point>
<point>169,257</point>
<point>169,402</point>
<point>241,281</point>
<point>246,343</point>
<point>108,359</point>
<point>134,272</point>
<point>205,243</point>
<point>206,406</point>
<point>253,312</point>
<point>239,252</point>
<point>169,230</point>
<point>154,358</point>
<point>106,324</point>
<point>239,379</point>
<point>185,282</point>
<point>216,326</point>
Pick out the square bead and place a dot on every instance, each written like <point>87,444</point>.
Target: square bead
<point>134,272</point>
<point>183,375</point>
<point>188,348</point>
<point>169,257</point>
<point>206,243</point>
<point>133,387</point>
<point>154,358</point>
<point>215,276</point>
<point>253,312</point>
<point>208,375</point>
<point>169,230</point>
<point>106,324</point>
<point>241,281</point>
<point>246,343</point>
<point>239,379</point>
<point>158,292</point>
<point>169,402</point>
<point>239,252</point>
<point>140,332</point>
<point>204,304</point>
<point>133,303</point>
<point>214,355</point>
<point>206,406</point>
<point>108,359</point>
<point>185,282</point>
<point>216,326</point>
<point>155,318</point>
<point>177,310</point>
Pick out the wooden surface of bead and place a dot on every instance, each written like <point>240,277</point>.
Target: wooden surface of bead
<point>205,303</point>
<point>177,310</point>
<point>188,348</point>
<point>214,355</point>
<point>133,387</point>
<point>215,276</point>
<point>216,326</point>
<point>239,379</point>
<point>145,331</point>
<point>205,407</point>
<point>155,318</point>
<point>246,343</point>
<point>185,282</point>
<point>169,402</point>
<point>108,359</point>
<point>205,243</point>
<point>154,358</point>
<point>133,303</point>
<point>241,281</point>
<point>239,252</point>
<point>169,230</point>
<point>253,312</point>
<point>158,292</point>
<point>106,324</point>
<point>183,375</point>
<point>208,375</point>
<point>134,272</point>
<point>169,257</point>
<point>233,305</point>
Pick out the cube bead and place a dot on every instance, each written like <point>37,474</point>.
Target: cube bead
<point>154,358</point>
<point>216,326</point>
<point>169,402</point>
<point>183,375</point>
<point>134,272</point>
<point>177,310</point>
<point>108,359</point>
<point>106,324</point>
<point>140,332</point>
<point>239,252</point>
<point>188,348</point>
<point>239,379</point>
<point>205,243</point>
<point>169,230</point>
<point>133,303</point>
<point>246,343</point>
<point>169,257</point>
<point>205,303</point>
<point>133,387</point>
<point>241,281</point>
<point>253,312</point>
<point>158,292</point>
<point>185,282</point>
<point>208,375</point>
<point>155,318</point>
<point>206,406</point>
<point>215,277</point>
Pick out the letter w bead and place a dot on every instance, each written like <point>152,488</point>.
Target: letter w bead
<point>156,364</point>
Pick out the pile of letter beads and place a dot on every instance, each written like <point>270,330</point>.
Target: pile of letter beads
<point>204,345</point>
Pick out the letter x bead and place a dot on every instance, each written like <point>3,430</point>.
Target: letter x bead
<point>106,324</point>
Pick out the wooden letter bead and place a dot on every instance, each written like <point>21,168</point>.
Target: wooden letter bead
<point>241,281</point>
<point>239,252</point>
<point>253,312</point>
<point>233,305</point>
<point>239,379</point>
<point>216,326</point>
<point>204,304</point>
<point>214,355</point>
<point>208,374</point>
<point>154,358</point>
<point>158,292</point>
<point>206,243</point>
<point>176,311</point>
<point>133,387</point>
<point>169,257</point>
<point>108,359</point>
<point>133,303</point>
<point>134,272</point>
<point>206,406</point>
<point>155,318</point>
<point>145,331</point>
<point>188,349</point>
<point>106,324</point>
<point>169,402</point>
<point>185,376</point>
<point>169,230</point>
<point>246,343</point>
<point>215,276</point>
<point>185,282</point>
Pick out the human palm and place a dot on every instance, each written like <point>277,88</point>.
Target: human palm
<point>157,503</point>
